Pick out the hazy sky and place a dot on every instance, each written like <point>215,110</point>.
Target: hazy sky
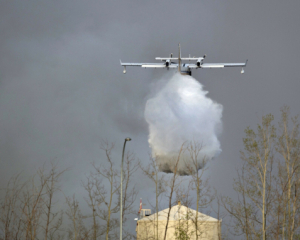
<point>62,89</point>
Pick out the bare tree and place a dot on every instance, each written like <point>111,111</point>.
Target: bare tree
<point>32,202</point>
<point>220,215</point>
<point>242,211</point>
<point>182,229</point>
<point>288,204</point>
<point>254,183</point>
<point>173,184</point>
<point>184,196</point>
<point>258,157</point>
<point>77,231</point>
<point>27,209</point>
<point>10,215</point>
<point>72,213</point>
<point>130,191</point>
<point>110,175</point>
<point>103,187</point>
<point>94,188</point>
<point>36,204</point>
<point>268,202</point>
<point>152,172</point>
<point>195,162</point>
<point>53,219</point>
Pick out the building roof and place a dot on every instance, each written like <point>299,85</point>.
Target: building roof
<point>179,212</point>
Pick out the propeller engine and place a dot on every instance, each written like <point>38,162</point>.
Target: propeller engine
<point>168,62</point>
<point>200,60</point>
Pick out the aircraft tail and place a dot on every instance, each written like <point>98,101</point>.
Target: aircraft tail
<point>179,58</point>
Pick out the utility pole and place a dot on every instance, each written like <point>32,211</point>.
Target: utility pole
<point>121,197</point>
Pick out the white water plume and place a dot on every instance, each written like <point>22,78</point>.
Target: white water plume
<point>179,112</point>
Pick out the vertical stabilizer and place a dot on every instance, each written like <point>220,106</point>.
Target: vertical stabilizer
<point>179,58</point>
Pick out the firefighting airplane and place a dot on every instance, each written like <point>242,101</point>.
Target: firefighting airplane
<point>183,68</point>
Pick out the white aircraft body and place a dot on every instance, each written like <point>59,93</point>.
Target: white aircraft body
<point>183,68</point>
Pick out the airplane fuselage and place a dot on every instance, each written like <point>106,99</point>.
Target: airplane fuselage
<point>185,70</point>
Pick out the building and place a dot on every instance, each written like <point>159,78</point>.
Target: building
<point>182,225</point>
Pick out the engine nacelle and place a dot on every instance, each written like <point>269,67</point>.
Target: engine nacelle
<point>199,62</point>
<point>168,62</point>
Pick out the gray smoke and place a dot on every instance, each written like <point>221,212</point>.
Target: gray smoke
<point>180,111</point>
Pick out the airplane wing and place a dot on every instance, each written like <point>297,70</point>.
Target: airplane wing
<point>173,65</point>
<point>145,65</point>
<point>212,65</point>
<point>153,65</point>
<point>192,66</point>
<point>185,59</point>
<point>217,65</point>
<point>192,59</point>
<point>150,65</point>
<point>222,65</point>
<point>164,59</point>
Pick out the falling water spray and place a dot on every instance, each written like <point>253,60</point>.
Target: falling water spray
<point>180,111</point>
